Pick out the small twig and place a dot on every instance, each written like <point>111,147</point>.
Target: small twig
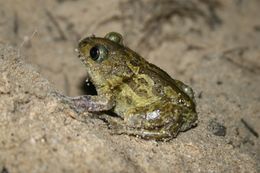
<point>66,86</point>
<point>250,128</point>
<point>26,39</point>
<point>56,24</point>
<point>243,63</point>
<point>16,24</point>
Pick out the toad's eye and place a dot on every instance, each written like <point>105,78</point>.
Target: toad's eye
<point>98,53</point>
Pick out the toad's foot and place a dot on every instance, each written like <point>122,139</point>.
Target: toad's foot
<point>118,126</point>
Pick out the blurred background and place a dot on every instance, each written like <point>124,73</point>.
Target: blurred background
<point>173,34</point>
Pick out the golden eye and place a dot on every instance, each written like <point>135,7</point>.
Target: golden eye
<point>98,53</point>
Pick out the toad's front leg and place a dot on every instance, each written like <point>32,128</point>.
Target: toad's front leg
<point>91,103</point>
<point>88,103</point>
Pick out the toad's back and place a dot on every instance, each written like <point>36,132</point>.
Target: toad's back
<point>152,98</point>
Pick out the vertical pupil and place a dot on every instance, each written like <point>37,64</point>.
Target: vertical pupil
<point>94,53</point>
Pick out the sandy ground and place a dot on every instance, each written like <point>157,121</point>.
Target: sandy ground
<point>214,46</point>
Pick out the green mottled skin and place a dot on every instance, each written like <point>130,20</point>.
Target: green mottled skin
<point>147,101</point>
